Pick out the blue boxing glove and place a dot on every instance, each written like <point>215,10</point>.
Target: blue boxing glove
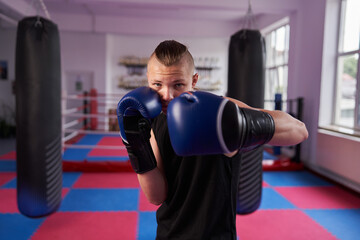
<point>135,112</point>
<point>203,123</point>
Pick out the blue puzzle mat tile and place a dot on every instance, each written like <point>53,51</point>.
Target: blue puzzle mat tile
<point>75,154</point>
<point>10,184</point>
<point>344,224</point>
<point>296,178</point>
<point>8,166</point>
<point>101,200</point>
<point>90,139</point>
<point>69,178</point>
<point>273,200</point>
<point>17,226</point>
<point>147,226</point>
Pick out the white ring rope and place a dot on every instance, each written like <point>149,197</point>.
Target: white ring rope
<point>70,136</point>
<point>72,123</point>
<point>77,97</point>
<point>71,110</point>
<point>97,132</point>
<point>89,115</point>
<point>74,110</point>
<point>72,146</point>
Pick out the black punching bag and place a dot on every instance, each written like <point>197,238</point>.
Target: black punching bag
<point>38,117</point>
<point>246,83</point>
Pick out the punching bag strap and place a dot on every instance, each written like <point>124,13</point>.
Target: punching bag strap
<point>40,4</point>
<point>250,20</point>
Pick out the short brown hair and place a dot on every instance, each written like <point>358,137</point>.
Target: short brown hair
<point>170,52</point>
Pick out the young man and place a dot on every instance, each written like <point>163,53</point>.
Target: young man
<point>197,192</point>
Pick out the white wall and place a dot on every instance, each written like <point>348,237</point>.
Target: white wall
<point>84,52</point>
<point>79,52</point>
<point>119,46</point>
<point>7,53</point>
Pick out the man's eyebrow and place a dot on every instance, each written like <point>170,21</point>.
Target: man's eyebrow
<point>174,81</point>
<point>179,80</point>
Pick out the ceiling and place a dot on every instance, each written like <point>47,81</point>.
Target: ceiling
<point>121,15</point>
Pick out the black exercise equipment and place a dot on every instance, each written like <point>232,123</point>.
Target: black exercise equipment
<point>246,83</point>
<point>38,117</point>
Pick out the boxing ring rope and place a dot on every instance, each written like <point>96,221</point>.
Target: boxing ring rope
<point>90,113</point>
<point>69,146</point>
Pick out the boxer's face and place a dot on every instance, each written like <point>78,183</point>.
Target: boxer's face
<point>170,81</point>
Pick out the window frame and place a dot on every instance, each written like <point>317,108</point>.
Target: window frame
<point>275,66</point>
<point>339,54</point>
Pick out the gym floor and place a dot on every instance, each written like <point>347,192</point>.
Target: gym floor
<point>111,205</point>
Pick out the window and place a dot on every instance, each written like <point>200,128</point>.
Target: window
<point>276,74</point>
<point>347,86</point>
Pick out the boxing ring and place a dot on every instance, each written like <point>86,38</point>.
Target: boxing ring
<point>90,133</point>
<point>91,140</point>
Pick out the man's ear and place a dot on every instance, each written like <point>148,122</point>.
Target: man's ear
<point>195,78</point>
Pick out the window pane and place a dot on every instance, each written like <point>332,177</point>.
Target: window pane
<point>351,26</point>
<point>346,90</point>
<point>283,80</point>
<point>268,50</point>
<point>276,82</point>
<point>280,45</point>
<point>276,76</point>
<point>281,86</point>
<point>287,41</point>
<point>268,95</point>
<point>270,87</point>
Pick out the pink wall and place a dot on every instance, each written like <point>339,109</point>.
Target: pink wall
<point>305,63</point>
<point>305,69</point>
<point>340,155</point>
<point>334,155</point>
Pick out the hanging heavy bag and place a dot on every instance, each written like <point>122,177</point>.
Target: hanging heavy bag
<point>246,83</point>
<point>246,74</point>
<point>38,117</point>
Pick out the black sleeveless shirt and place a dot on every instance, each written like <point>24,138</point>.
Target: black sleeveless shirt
<point>201,199</point>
